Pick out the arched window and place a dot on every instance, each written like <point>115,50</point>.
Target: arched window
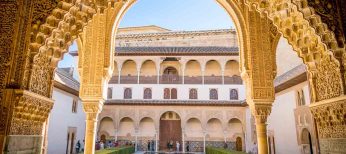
<point>300,97</point>
<point>213,94</point>
<point>109,93</point>
<point>174,93</point>
<point>193,94</point>
<point>128,93</point>
<point>233,94</point>
<point>147,93</point>
<point>170,71</point>
<point>167,93</point>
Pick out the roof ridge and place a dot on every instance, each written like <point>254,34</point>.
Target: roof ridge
<point>177,32</point>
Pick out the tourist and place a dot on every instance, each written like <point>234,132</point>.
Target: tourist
<point>102,146</point>
<point>188,146</point>
<point>225,146</point>
<point>152,145</point>
<point>77,146</point>
<point>97,145</point>
<point>171,145</point>
<point>149,145</point>
<point>82,146</point>
<point>178,145</point>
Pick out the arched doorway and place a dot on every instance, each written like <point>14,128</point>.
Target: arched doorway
<point>103,138</point>
<point>307,142</point>
<point>238,144</point>
<point>170,130</point>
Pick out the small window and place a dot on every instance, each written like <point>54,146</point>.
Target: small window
<point>74,106</point>
<point>300,97</point>
<point>170,93</point>
<point>109,93</point>
<point>213,94</point>
<point>147,93</point>
<point>167,93</point>
<point>128,93</point>
<point>193,94</point>
<point>174,94</point>
<point>233,94</point>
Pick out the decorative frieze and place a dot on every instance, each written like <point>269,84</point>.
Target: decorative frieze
<point>330,118</point>
<point>27,112</point>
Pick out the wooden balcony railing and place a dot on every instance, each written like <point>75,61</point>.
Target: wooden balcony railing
<point>170,79</point>
<point>193,80</point>
<point>113,80</point>
<point>147,79</point>
<point>212,79</point>
<point>174,79</point>
<point>128,79</point>
<point>235,79</point>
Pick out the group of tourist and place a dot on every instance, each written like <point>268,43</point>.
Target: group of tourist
<point>105,144</point>
<point>170,145</point>
<point>151,145</point>
<point>79,147</point>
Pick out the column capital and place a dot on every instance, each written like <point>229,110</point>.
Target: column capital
<point>93,106</point>
<point>261,112</point>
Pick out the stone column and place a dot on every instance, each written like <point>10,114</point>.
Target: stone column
<point>116,135</point>
<point>204,134</point>
<point>92,108</point>
<point>223,76</point>
<point>158,76</point>
<point>138,74</point>
<point>183,140</point>
<point>203,76</point>
<point>119,75</point>
<point>182,66</point>
<point>158,67</point>
<point>136,140</point>
<point>225,136</point>
<point>156,141</point>
<point>261,111</point>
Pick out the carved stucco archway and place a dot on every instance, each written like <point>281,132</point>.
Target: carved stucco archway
<point>42,44</point>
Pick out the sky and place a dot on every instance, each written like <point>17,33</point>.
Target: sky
<point>177,15</point>
<point>171,14</point>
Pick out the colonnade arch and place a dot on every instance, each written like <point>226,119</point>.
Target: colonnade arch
<point>230,66</point>
<point>129,68</point>
<point>193,68</point>
<point>215,130</point>
<point>212,68</point>
<point>148,68</point>
<point>126,127</point>
<point>106,124</point>
<point>46,35</point>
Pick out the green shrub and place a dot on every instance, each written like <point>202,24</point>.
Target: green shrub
<point>120,150</point>
<point>211,150</point>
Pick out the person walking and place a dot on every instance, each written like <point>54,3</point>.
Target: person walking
<point>149,145</point>
<point>82,146</point>
<point>78,146</point>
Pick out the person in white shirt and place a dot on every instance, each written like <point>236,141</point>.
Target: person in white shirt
<point>102,146</point>
<point>178,145</point>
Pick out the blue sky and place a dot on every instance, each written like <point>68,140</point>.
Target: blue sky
<point>171,14</point>
<point>177,14</point>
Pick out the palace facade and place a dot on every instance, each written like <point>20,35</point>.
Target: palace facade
<point>35,35</point>
<point>185,86</point>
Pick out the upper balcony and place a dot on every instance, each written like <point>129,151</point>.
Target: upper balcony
<point>173,79</point>
<point>171,70</point>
